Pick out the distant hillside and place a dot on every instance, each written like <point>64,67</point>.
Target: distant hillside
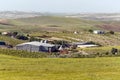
<point>56,23</point>
<point>18,14</point>
<point>53,23</point>
<point>87,16</point>
<point>97,16</point>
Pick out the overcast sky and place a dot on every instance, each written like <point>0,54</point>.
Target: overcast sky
<point>61,6</point>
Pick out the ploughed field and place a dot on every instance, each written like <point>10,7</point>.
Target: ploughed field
<point>15,68</point>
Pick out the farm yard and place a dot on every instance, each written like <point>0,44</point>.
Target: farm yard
<point>74,63</point>
<point>58,29</point>
<point>15,68</point>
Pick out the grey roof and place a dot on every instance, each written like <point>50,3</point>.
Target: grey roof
<point>36,43</point>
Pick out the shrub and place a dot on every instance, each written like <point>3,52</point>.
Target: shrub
<point>14,34</point>
<point>114,51</point>
<point>22,37</point>
<point>34,39</point>
<point>90,30</point>
<point>112,32</point>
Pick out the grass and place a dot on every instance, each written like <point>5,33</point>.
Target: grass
<point>83,36</point>
<point>23,54</point>
<point>15,68</point>
<point>38,25</point>
<point>10,40</point>
<point>100,49</point>
<point>44,22</point>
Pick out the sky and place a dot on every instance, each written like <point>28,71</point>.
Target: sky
<point>62,6</point>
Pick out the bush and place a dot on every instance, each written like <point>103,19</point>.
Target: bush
<point>22,37</point>
<point>114,51</point>
<point>34,39</point>
<point>14,34</point>
<point>90,30</point>
<point>112,32</point>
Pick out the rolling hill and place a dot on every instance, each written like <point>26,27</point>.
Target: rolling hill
<point>40,25</point>
<point>53,23</point>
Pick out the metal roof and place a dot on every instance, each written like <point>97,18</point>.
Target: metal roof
<point>36,43</point>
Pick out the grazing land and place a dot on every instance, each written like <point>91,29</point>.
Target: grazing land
<point>15,68</point>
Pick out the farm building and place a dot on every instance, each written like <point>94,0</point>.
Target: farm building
<point>84,45</point>
<point>75,32</point>
<point>98,32</point>
<point>6,33</point>
<point>36,47</point>
<point>3,44</point>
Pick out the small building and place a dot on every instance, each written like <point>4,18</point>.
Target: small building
<point>98,32</point>
<point>3,44</point>
<point>36,47</point>
<point>6,33</point>
<point>75,32</point>
<point>84,45</point>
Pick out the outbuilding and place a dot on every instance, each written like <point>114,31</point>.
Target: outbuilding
<point>36,47</point>
<point>3,45</point>
<point>85,44</point>
<point>98,32</point>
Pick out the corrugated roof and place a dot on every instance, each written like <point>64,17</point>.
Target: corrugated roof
<point>36,43</point>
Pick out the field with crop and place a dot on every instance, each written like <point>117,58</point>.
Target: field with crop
<point>15,68</point>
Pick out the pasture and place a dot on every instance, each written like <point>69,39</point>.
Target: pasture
<point>15,68</point>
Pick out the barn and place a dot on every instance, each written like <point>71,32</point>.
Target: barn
<point>36,47</point>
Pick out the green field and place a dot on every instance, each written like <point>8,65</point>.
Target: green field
<point>15,68</point>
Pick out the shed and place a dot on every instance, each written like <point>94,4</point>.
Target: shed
<point>36,47</point>
<point>84,44</point>
<point>98,32</point>
<point>6,33</point>
<point>3,45</point>
<point>75,32</point>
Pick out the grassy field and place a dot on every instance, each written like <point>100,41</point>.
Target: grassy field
<point>100,49</point>
<point>10,40</point>
<point>15,68</point>
<point>52,23</point>
<point>105,40</point>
